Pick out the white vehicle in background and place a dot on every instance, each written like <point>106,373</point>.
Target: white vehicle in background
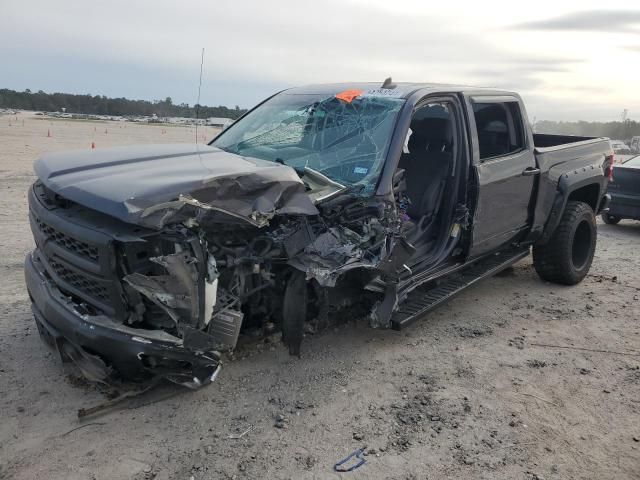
<point>621,149</point>
<point>635,144</point>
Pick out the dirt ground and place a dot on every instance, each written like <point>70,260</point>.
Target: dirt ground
<point>468,392</point>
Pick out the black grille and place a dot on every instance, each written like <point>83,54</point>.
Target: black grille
<point>80,281</point>
<point>67,242</point>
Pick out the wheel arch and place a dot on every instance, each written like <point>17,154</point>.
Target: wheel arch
<point>585,190</point>
<point>589,194</point>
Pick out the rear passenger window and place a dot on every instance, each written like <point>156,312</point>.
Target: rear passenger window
<point>500,129</point>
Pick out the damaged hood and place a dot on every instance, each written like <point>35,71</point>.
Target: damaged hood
<point>153,185</point>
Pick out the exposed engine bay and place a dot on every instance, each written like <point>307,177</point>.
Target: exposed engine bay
<point>207,284</point>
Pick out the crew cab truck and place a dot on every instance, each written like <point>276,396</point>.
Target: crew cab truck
<point>323,202</point>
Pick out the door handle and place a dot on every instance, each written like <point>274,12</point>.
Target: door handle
<point>530,171</point>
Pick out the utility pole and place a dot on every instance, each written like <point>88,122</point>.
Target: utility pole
<point>625,124</point>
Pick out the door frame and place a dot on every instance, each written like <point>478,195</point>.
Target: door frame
<point>486,244</point>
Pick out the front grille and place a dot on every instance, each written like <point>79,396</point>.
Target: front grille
<point>71,244</point>
<point>79,281</point>
<point>78,248</point>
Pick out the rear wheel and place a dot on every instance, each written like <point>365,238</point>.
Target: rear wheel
<point>567,256</point>
<point>610,219</point>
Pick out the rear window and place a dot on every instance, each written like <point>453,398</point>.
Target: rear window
<point>500,129</point>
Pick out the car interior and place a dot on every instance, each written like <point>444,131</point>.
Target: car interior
<point>426,164</point>
<point>498,131</point>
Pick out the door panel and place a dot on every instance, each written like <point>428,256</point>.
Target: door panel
<point>502,209</point>
<point>505,170</point>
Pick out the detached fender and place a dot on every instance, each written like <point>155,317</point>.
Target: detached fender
<point>586,184</point>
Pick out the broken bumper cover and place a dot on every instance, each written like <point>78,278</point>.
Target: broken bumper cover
<point>98,345</point>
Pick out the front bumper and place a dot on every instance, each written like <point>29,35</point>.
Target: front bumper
<point>102,347</point>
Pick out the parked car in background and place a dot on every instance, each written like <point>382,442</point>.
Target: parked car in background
<point>620,148</point>
<point>635,144</point>
<point>624,188</point>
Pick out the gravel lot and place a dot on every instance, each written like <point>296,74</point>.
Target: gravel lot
<point>469,392</point>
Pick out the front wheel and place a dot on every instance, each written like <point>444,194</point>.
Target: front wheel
<point>567,256</point>
<point>610,219</point>
<point>294,311</point>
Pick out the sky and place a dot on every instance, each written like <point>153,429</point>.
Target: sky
<point>570,59</point>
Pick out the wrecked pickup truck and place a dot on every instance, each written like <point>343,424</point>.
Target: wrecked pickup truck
<point>322,202</point>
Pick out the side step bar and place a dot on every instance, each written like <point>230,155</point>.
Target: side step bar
<point>423,299</point>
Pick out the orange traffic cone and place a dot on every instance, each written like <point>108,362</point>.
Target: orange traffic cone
<point>93,145</point>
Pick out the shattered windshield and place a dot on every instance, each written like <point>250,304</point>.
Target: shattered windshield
<point>343,136</point>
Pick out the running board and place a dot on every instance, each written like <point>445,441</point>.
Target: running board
<point>423,299</point>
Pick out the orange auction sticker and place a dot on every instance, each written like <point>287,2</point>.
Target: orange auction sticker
<point>349,95</point>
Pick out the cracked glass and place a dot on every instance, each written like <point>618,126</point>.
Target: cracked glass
<point>344,137</point>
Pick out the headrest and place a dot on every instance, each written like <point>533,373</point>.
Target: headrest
<point>432,130</point>
<point>434,134</point>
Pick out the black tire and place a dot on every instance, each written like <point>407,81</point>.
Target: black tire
<point>567,256</point>
<point>610,219</point>
<point>294,311</point>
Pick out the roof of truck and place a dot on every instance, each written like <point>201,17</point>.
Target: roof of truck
<point>401,89</point>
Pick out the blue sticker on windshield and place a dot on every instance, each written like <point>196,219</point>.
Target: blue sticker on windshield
<point>360,170</point>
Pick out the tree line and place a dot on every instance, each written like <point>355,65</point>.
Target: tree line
<point>101,105</point>
<point>622,130</point>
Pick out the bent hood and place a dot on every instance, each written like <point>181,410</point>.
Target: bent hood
<point>153,185</point>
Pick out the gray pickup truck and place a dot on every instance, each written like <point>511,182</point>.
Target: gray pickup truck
<point>321,203</point>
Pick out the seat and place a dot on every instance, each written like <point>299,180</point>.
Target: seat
<point>427,165</point>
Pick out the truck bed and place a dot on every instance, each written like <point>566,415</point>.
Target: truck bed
<point>575,151</point>
<point>565,159</point>
<point>547,141</point>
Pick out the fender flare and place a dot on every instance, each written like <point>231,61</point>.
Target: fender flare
<point>567,184</point>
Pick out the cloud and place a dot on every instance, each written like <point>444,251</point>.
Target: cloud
<point>282,42</point>
<point>632,48</point>
<point>151,48</point>
<point>610,21</point>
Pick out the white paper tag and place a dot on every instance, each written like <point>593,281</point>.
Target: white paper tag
<point>383,92</point>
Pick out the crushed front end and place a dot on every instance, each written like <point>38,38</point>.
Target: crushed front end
<point>151,259</point>
<point>87,310</point>
<point>126,300</point>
